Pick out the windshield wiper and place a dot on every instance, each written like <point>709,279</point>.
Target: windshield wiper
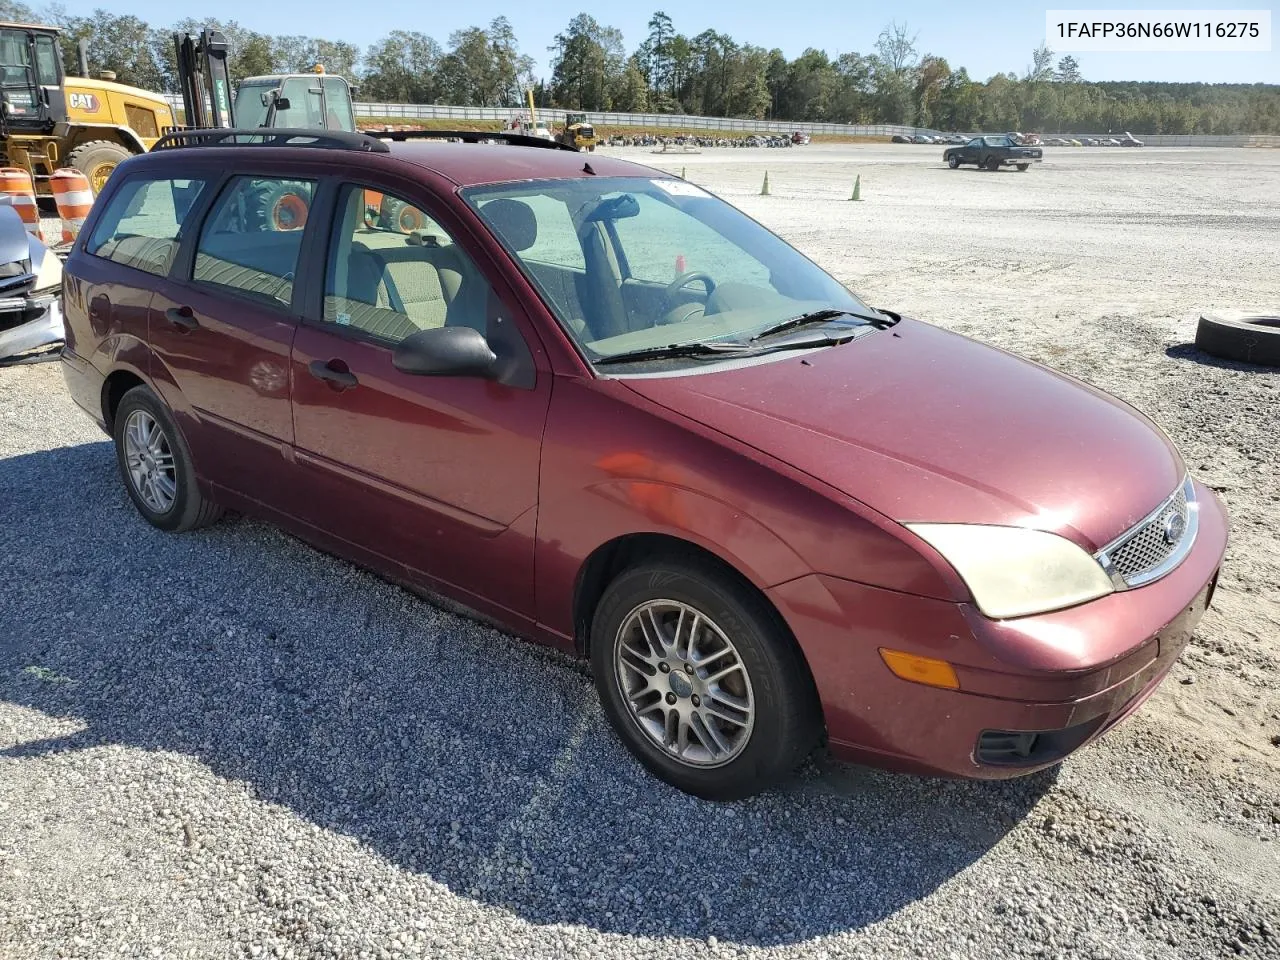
<point>697,348</point>
<point>820,316</point>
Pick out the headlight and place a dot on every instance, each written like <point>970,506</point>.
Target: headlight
<point>48,275</point>
<point>1013,571</point>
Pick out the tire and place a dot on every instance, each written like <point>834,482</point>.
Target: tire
<point>993,164</point>
<point>764,743</point>
<point>283,207</point>
<point>1248,338</point>
<point>1024,167</point>
<point>97,160</point>
<point>188,508</point>
<point>953,162</point>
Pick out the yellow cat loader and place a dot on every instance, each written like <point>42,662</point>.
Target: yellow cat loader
<point>578,132</point>
<point>49,120</point>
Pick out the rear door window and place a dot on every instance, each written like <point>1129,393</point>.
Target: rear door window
<point>251,239</point>
<point>143,222</point>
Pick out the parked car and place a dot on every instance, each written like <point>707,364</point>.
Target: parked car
<point>922,138</point>
<point>512,399</point>
<point>991,153</point>
<point>1109,142</point>
<point>30,291</point>
<point>1129,140</point>
<point>900,138</point>
<point>800,138</point>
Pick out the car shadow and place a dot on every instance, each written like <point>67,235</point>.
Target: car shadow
<point>1189,351</point>
<point>446,747</point>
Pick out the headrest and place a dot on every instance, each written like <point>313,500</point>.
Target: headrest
<point>514,221</point>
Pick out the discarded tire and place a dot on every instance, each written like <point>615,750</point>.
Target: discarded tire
<point>1250,338</point>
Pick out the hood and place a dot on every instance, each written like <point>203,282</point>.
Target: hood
<point>928,426</point>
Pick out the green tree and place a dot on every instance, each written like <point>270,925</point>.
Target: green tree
<point>1068,70</point>
<point>123,44</point>
<point>401,68</point>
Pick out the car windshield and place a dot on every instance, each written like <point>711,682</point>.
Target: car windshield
<point>632,263</point>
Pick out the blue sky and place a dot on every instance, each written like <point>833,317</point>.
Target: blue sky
<point>985,38</point>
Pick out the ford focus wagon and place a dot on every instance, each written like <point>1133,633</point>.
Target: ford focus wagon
<point>601,407</point>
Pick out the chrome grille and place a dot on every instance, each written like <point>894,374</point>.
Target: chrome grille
<point>1155,545</point>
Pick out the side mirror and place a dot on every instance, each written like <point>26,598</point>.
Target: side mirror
<point>282,103</point>
<point>446,352</point>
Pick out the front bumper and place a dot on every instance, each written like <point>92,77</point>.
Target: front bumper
<point>29,322</point>
<point>1068,676</point>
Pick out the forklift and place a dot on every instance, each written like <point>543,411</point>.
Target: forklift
<point>293,101</point>
<point>311,101</point>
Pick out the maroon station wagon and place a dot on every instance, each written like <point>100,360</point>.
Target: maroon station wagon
<point>601,407</point>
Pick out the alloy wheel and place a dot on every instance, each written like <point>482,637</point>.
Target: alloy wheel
<point>685,683</point>
<point>150,462</point>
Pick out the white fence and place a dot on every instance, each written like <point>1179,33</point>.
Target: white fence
<point>675,122</point>
<point>680,123</point>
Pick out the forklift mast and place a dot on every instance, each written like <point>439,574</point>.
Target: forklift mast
<point>204,80</point>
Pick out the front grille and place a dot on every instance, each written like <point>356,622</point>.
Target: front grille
<point>1156,544</point>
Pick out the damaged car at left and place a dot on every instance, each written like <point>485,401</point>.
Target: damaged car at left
<point>30,294</point>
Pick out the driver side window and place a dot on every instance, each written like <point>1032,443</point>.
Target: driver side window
<point>394,271</point>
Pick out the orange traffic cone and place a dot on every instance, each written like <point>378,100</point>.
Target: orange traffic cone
<point>73,196</point>
<point>17,191</point>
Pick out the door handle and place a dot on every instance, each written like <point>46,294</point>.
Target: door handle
<point>182,317</point>
<point>340,379</point>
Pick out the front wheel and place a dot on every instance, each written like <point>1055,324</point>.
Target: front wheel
<point>97,160</point>
<point>700,679</point>
<point>953,162</point>
<point>1024,167</point>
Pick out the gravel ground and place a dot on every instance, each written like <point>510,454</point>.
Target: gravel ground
<point>225,744</point>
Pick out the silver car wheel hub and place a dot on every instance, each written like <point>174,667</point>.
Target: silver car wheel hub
<point>685,683</point>
<point>150,462</point>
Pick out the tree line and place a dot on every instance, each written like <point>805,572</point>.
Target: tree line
<point>708,74</point>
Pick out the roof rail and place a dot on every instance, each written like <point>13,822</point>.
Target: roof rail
<point>271,137</point>
<point>473,136</point>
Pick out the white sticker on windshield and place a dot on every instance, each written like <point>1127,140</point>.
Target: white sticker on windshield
<point>680,188</point>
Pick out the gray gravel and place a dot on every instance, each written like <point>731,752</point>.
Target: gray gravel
<point>226,744</point>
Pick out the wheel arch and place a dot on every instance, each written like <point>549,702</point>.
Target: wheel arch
<point>614,556</point>
<point>114,387</point>
<point>83,133</point>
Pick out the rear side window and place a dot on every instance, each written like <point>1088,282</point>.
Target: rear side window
<point>251,239</point>
<point>142,223</point>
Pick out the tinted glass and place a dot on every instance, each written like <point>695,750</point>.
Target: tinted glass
<point>393,271</point>
<point>143,222</point>
<point>252,236</point>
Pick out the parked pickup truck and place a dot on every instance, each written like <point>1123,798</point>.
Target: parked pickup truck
<point>991,153</point>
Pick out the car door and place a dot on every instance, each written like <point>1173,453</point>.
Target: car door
<point>222,325</point>
<point>972,151</point>
<point>437,473</point>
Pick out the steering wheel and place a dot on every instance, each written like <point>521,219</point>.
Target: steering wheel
<point>682,281</point>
